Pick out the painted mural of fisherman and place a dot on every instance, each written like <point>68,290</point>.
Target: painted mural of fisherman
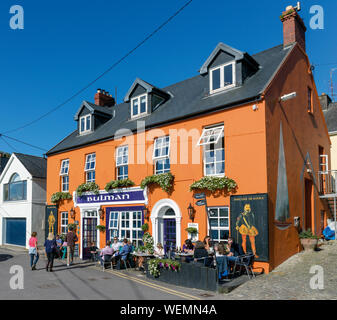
<point>51,222</point>
<point>245,225</point>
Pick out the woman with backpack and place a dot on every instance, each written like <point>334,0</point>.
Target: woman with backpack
<point>50,245</point>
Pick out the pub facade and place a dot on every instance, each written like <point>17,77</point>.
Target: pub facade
<point>247,132</point>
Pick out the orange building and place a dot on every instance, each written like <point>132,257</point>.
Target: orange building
<point>255,119</point>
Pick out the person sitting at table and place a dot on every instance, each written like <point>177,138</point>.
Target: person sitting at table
<point>221,260</point>
<point>159,251</point>
<point>123,253</point>
<point>208,243</point>
<point>106,253</point>
<point>234,250</point>
<point>200,253</point>
<point>188,247</point>
<point>115,245</point>
<point>93,252</point>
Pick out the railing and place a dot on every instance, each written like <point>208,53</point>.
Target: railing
<point>327,182</point>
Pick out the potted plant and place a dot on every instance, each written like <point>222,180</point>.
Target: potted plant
<point>192,231</point>
<point>308,240</point>
<point>72,225</point>
<point>145,227</point>
<point>100,227</point>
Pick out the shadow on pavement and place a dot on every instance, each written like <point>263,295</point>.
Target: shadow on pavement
<point>4,257</point>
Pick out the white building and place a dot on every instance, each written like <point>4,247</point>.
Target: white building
<point>22,199</point>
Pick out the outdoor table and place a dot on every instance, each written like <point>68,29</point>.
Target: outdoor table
<point>184,255</point>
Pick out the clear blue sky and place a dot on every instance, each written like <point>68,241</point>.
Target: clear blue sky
<point>66,44</point>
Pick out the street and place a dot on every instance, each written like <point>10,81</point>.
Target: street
<point>84,281</point>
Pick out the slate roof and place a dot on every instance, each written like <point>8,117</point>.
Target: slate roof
<point>330,115</point>
<point>94,108</point>
<point>36,166</point>
<point>188,98</point>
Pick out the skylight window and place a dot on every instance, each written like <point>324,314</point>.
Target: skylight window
<point>139,105</point>
<point>222,77</point>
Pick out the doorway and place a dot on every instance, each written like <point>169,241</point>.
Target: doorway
<point>308,204</point>
<point>169,234</point>
<point>89,235</point>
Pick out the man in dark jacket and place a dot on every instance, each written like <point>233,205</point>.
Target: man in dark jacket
<point>71,238</point>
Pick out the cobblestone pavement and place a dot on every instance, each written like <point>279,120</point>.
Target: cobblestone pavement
<point>291,279</point>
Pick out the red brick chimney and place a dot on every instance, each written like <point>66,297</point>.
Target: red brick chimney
<point>293,27</point>
<point>104,99</point>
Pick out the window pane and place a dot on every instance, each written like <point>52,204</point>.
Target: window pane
<point>214,222</point>
<point>213,212</point>
<point>223,212</point>
<point>220,168</point>
<point>210,169</point>
<point>216,79</point>
<point>224,234</point>
<point>88,123</point>
<point>215,234</point>
<point>135,107</point>
<point>82,124</point>
<point>143,104</point>
<point>228,75</point>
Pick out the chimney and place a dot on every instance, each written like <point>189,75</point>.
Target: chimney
<point>325,101</point>
<point>293,27</point>
<point>104,99</point>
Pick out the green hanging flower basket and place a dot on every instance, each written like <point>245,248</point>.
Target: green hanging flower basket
<point>164,180</point>
<point>86,187</point>
<point>214,184</point>
<point>58,196</point>
<point>115,184</point>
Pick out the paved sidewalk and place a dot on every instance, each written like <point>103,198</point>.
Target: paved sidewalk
<point>291,280</point>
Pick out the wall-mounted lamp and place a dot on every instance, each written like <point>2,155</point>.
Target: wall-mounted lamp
<point>72,213</point>
<point>191,212</point>
<point>146,212</point>
<point>101,213</point>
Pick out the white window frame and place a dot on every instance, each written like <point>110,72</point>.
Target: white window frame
<point>62,225</point>
<point>88,160</point>
<point>218,228</point>
<point>86,129</point>
<point>130,228</point>
<point>64,170</point>
<point>65,185</point>
<point>122,152</point>
<point>139,99</point>
<point>222,86</point>
<point>161,157</point>
<point>217,136</point>
<point>206,131</point>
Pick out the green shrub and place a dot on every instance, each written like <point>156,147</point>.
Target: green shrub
<point>90,186</point>
<point>57,196</point>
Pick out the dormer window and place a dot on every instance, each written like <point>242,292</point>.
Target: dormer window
<point>85,124</point>
<point>222,77</point>
<point>139,106</point>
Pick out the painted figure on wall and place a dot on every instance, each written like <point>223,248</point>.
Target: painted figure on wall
<point>51,222</point>
<point>245,225</point>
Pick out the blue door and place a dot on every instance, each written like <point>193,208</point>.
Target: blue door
<point>169,234</point>
<point>16,231</point>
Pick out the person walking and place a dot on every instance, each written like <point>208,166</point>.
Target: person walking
<point>33,252</point>
<point>50,246</point>
<point>71,238</point>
